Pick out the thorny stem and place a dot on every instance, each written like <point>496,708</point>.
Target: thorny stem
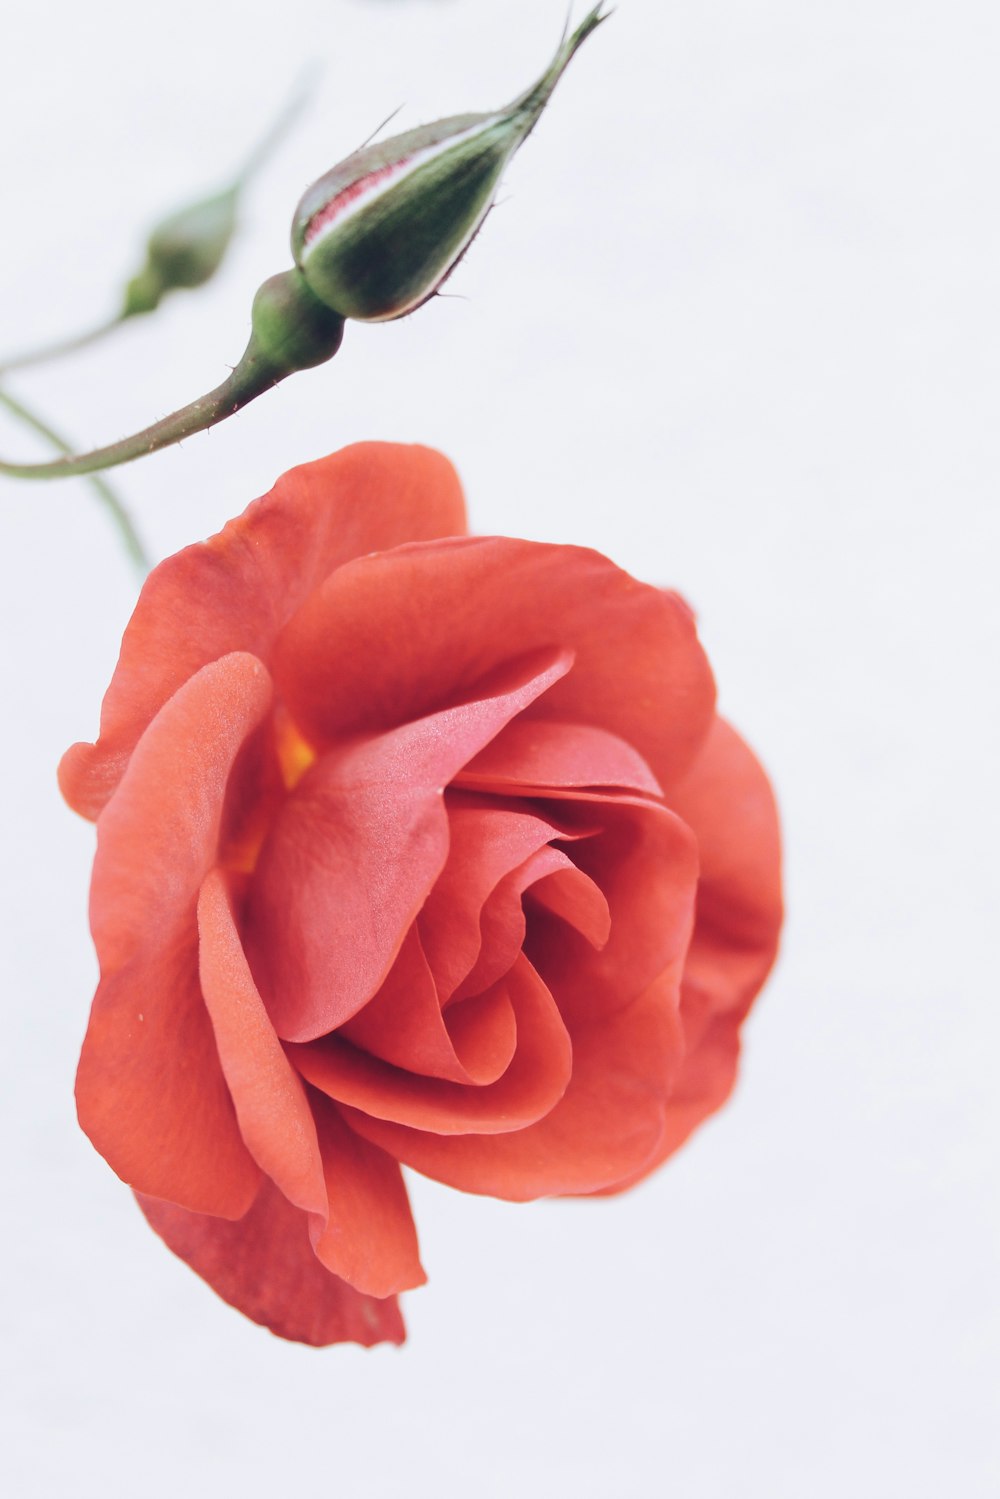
<point>62,346</point>
<point>252,377</point>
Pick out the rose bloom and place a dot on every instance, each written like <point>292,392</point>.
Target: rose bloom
<point>413,848</point>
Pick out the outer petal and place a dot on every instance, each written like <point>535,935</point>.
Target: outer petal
<point>274,1116</point>
<point>369,1238</point>
<point>236,591</point>
<point>703,1084</point>
<point>356,849</point>
<point>607,1126</point>
<point>361,1223</point>
<point>150,1091</point>
<point>727,800</point>
<point>365,651</point>
<point>264,1265</point>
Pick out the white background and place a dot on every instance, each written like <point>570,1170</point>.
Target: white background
<point>737,326</point>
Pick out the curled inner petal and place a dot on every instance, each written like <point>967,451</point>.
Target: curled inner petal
<point>575,897</point>
<point>503,923</point>
<point>606,1127</point>
<point>488,837</point>
<point>404,1025</point>
<point>356,850</point>
<point>532,754</point>
<point>532,1084</point>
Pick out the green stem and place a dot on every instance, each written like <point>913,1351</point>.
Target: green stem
<point>265,146</point>
<point>63,346</point>
<point>252,377</point>
<point>117,511</point>
<point>290,330</point>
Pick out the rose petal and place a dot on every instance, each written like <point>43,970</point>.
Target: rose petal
<point>368,1238</point>
<point>255,792</point>
<point>573,896</point>
<point>645,863</point>
<point>503,921</point>
<point>236,591</point>
<point>543,755</point>
<point>483,1031</point>
<point>606,1127</point>
<point>404,1025</point>
<point>150,1091</point>
<point>366,651</point>
<point>264,1266</point>
<point>274,1116</point>
<point>487,838</point>
<point>356,849</point>
<point>726,799</point>
<point>533,1083</point>
<point>704,1083</point>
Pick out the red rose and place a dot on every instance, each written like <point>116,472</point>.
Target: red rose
<point>413,847</point>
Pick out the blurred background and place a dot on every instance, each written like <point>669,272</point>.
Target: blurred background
<point>736,325</point>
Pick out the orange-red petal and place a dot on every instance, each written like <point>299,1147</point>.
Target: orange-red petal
<point>390,638</point>
<point>264,1265</point>
<point>529,1088</point>
<point>368,1238</point>
<point>607,1126</point>
<point>645,864</point>
<point>503,922</point>
<point>273,1111</point>
<point>404,1025</point>
<point>236,591</point>
<point>533,755</point>
<point>150,1090</point>
<point>488,837</point>
<point>727,799</point>
<point>356,849</point>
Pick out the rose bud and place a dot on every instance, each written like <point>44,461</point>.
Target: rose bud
<point>376,236</point>
<point>186,248</point>
<point>372,240</point>
<point>183,251</point>
<point>414,849</point>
